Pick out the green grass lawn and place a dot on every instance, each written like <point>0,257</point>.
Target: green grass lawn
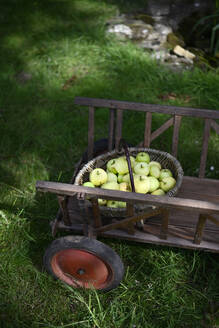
<point>63,45</point>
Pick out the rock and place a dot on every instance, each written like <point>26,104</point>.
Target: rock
<point>140,30</point>
<point>163,29</point>
<point>183,53</point>
<point>122,31</point>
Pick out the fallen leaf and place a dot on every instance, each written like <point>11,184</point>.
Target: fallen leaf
<point>69,82</point>
<point>173,96</point>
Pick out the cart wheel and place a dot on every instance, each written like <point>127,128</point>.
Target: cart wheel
<point>83,262</point>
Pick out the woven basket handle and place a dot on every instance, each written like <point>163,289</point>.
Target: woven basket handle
<point>124,145</point>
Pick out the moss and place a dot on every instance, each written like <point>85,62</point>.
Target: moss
<point>173,40</point>
<point>145,18</point>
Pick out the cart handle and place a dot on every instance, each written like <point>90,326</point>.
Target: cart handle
<point>123,144</point>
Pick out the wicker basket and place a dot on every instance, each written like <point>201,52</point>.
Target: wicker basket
<point>166,160</point>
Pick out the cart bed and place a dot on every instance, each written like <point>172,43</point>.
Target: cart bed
<point>182,223</point>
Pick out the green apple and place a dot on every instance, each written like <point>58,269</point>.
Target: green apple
<point>164,173</point>
<point>88,184</point>
<point>124,186</point>
<point>155,163</point>
<point>122,204</point>
<point>111,165</point>
<point>112,203</point>
<point>98,176</point>
<point>111,177</point>
<point>154,184</point>
<point>110,185</point>
<point>167,183</point>
<point>158,192</point>
<point>121,165</point>
<point>102,202</point>
<point>154,171</point>
<point>141,168</point>
<point>132,159</point>
<point>120,178</point>
<point>142,184</point>
<point>126,178</point>
<point>143,157</point>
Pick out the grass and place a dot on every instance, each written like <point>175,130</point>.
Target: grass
<point>43,134</point>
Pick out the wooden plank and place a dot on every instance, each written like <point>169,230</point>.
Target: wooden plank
<point>172,110</point>
<point>111,129</point>
<point>199,229</point>
<point>164,224</point>
<point>129,220</point>
<point>215,126</point>
<point>147,131</point>
<point>203,186</point>
<point>177,236</point>
<point>96,213</point>
<point>173,240</point>
<point>91,133</point>
<point>118,128</point>
<point>130,213</point>
<point>164,201</point>
<point>175,139</point>
<point>63,206</point>
<point>204,148</point>
<point>162,128</point>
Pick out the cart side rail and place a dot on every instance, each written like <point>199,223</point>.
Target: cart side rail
<point>116,109</point>
<point>198,206</point>
<point>152,108</point>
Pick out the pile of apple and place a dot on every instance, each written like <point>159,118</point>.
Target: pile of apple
<point>149,177</point>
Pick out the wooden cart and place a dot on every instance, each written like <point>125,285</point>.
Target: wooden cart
<point>190,220</point>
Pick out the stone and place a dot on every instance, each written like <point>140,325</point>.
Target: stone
<point>183,53</point>
<point>163,29</point>
<point>140,30</point>
<point>122,31</point>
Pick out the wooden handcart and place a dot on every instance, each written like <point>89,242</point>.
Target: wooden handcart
<point>189,220</point>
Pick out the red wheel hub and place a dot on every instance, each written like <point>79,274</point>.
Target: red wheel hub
<point>80,268</point>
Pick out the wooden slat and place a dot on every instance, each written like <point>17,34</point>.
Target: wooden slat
<point>118,127</point>
<point>129,220</point>
<point>130,213</point>
<point>203,186</point>
<point>162,128</point>
<point>215,126</point>
<point>173,240</point>
<point>164,201</point>
<point>172,110</point>
<point>63,206</point>
<point>175,140</point>
<point>199,229</point>
<point>177,237</point>
<point>164,224</point>
<point>204,148</point>
<point>111,129</point>
<point>91,133</point>
<point>147,132</point>
<point>96,213</point>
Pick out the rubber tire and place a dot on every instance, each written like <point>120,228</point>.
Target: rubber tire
<point>93,246</point>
